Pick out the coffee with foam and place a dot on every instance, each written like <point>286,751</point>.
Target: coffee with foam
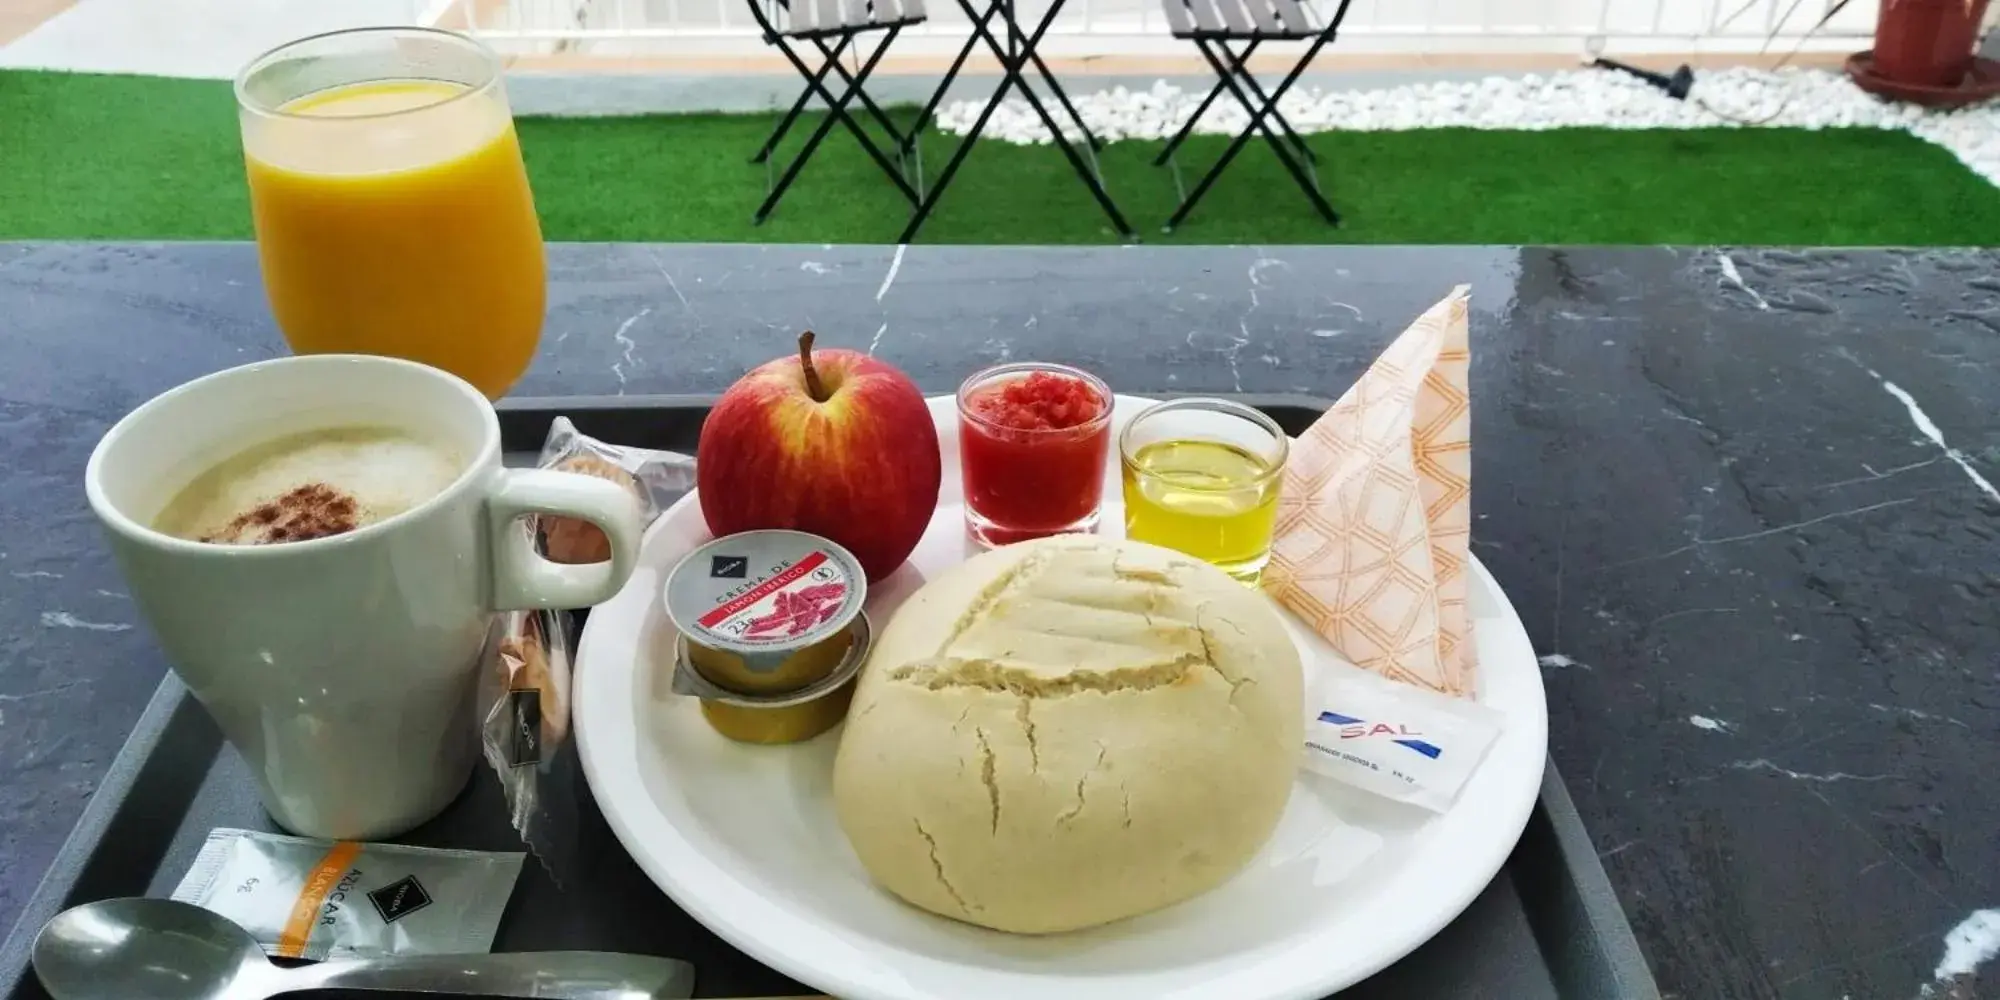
<point>310,485</point>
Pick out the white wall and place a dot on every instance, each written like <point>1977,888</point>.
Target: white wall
<point>1405,26</point>
<point>212,38</point>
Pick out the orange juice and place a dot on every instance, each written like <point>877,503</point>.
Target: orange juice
<point>394,218</point>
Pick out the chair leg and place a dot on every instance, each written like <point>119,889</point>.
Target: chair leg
<point>868,103</point>
<point>950,75</point>
<point>785,125</point>
<point>1062,98</point>
<point>1011,78</point>
<point>965,52</point>
<point>1086,172</point>
<point>943,181</point>
<point>938,187</point>
<point>1260,123</point>
<point>1019,45</point>
<point>816,85</point>
<point>837,111</point>
<point>1257,125</point>
<point>1242,67</point>
<point>1188,128</point>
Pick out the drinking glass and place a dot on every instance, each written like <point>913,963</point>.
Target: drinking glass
<point>1024,482</point>
<point>392,209</point>
<point>1201,476</point>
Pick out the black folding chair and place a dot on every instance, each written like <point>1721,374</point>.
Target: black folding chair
<point>843,22</point>
<point>1015,56</point>
<point>1212,25</point>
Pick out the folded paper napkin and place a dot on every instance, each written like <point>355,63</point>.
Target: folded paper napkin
<point>1375,512</point>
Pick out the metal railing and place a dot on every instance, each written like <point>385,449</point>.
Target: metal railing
<point>1124,27</point>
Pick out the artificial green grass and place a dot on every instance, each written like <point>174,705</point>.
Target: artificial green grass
<point>125,157</point>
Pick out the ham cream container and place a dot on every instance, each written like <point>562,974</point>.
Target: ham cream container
<point>771,633</point>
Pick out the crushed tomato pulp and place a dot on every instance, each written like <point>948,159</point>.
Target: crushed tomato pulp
<point>1042,401</point>
<point>1033,450</point>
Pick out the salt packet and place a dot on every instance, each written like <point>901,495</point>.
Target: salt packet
<point>1395,740</point>
<point>321,899</point>
<point>524,692</point>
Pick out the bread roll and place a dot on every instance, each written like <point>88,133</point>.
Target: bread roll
<point>1067,732</point>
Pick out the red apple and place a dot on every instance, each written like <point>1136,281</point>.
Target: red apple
<point>836,443</point>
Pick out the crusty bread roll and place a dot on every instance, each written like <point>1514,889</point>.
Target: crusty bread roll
<point>1067,732</point>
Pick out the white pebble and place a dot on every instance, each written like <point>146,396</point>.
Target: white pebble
<point>1728,97</point>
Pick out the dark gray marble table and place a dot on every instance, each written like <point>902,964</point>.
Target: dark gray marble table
<point>1743,499</point>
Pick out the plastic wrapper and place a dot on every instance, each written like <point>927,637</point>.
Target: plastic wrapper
<point>525,697</point>
<point>321,899</point>
<point>524,693</point>
<point>656,478</point>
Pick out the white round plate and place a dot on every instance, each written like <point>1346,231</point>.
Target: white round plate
<point>744,837</point>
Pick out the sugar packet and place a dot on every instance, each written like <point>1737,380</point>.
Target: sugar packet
<point>321,899</point>
<point>1395,740</point>
<point>524,692</point>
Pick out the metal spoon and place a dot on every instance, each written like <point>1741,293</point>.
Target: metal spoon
<point>162,950</point>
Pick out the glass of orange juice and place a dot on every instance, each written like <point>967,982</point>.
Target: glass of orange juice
<point>392,210</point>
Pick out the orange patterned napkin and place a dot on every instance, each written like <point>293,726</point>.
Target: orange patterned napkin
<point>1376,512</point>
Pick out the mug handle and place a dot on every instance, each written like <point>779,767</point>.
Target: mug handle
<point>522,578</point>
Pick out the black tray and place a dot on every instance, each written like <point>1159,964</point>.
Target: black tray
<point>1547,928</point>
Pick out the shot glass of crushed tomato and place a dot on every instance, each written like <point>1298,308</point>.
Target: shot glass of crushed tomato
<point>1033,440</point>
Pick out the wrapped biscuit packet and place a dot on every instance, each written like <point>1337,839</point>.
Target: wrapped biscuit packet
<point>656,478</point>
<point>524,694</point>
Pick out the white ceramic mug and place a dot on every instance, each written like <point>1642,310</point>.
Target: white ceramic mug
<point>343,668</point>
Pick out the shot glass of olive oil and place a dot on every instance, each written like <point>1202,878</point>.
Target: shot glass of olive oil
<point>1201,476</point>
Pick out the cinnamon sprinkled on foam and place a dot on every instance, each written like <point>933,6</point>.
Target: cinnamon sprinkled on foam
<point>314,510</point>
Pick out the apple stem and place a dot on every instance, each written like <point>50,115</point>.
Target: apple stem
<point>814,387</point>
